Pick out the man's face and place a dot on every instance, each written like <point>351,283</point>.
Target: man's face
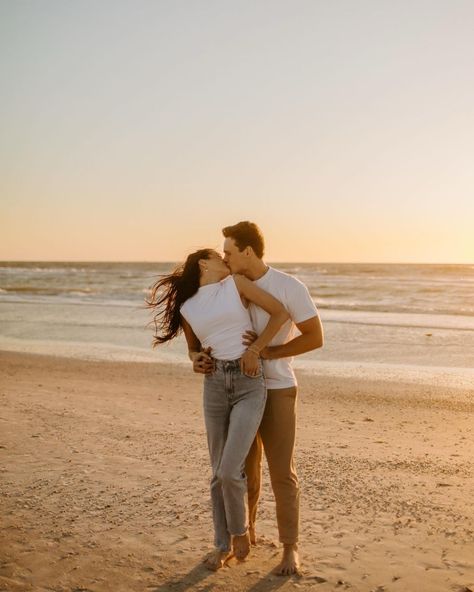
<point>235,259</point>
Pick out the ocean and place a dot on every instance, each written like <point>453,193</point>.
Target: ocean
<point>375,316</point>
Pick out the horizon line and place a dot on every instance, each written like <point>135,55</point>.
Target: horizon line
<point>270,262</point>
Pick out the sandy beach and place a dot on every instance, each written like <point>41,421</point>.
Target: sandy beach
<point>105,483</point>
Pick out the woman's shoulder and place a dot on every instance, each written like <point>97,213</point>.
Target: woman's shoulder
<point>188,303</point>
<point>184,306</point>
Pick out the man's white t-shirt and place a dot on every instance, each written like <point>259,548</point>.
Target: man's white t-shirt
<point>294,296</point>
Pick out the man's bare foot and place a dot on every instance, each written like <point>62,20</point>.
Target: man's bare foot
<point>217,559</point>
<point>290,562</point>
<point>241,546</point>
<point>253,535</point>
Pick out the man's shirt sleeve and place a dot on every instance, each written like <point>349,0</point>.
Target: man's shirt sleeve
<point>300,305</point>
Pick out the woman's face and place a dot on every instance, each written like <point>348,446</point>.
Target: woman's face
<point>216,264</point>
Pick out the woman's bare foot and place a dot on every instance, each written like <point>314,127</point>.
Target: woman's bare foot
<point>290,562</point>
<point>217,559</point>
<point>241,546</point>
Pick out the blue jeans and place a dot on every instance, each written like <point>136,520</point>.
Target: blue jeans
<point>233,408</point>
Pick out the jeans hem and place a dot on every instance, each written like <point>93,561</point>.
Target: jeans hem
<point>240,534</point>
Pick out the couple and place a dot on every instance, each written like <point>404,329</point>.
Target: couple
<point>242,331</point>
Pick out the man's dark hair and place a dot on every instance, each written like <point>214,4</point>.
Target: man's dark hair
<point>246,234</point>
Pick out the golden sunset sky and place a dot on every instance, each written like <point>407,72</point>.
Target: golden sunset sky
<point>136,130</point>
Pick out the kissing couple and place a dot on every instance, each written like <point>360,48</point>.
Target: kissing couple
<point>244,321</point>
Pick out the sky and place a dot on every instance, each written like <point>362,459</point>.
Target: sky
<point>136,130</point>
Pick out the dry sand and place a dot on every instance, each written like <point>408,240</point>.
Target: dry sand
<point>104,483</point>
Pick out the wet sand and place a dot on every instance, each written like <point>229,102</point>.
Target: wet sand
<point>104,483</point>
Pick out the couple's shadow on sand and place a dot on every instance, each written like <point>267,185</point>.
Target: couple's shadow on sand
<point>200,578</point>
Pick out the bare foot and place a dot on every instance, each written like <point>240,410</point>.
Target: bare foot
<point>290,562</point>
<point>253,535</point>
<point>241,546</point>
<point>217,559</point>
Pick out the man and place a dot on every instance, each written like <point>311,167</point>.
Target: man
<point>243,253</point>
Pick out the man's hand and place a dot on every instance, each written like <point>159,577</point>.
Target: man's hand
<point>248,338</point>
<point>202,362</point>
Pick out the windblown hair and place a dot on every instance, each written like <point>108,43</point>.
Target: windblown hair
<point>246,234</point>
<point>170,292</point>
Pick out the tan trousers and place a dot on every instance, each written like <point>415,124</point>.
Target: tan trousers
<point>276,435</point>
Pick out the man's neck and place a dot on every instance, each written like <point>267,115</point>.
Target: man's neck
<point>256,270</point>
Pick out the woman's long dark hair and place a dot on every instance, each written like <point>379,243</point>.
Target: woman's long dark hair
<point>170,292</point>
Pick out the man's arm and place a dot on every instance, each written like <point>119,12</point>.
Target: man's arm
<point>311,338</point>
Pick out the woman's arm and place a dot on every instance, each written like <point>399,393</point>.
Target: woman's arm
<point>278,315</point>
<point>194,345</point>
<point>201,358</point>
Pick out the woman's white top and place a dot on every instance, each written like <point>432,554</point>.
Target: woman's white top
<point>218,318</point>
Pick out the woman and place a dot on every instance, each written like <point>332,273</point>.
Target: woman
<point>203,300</point>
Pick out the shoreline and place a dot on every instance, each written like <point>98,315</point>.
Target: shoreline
<point>416,373</point>
<point>105,483</point>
